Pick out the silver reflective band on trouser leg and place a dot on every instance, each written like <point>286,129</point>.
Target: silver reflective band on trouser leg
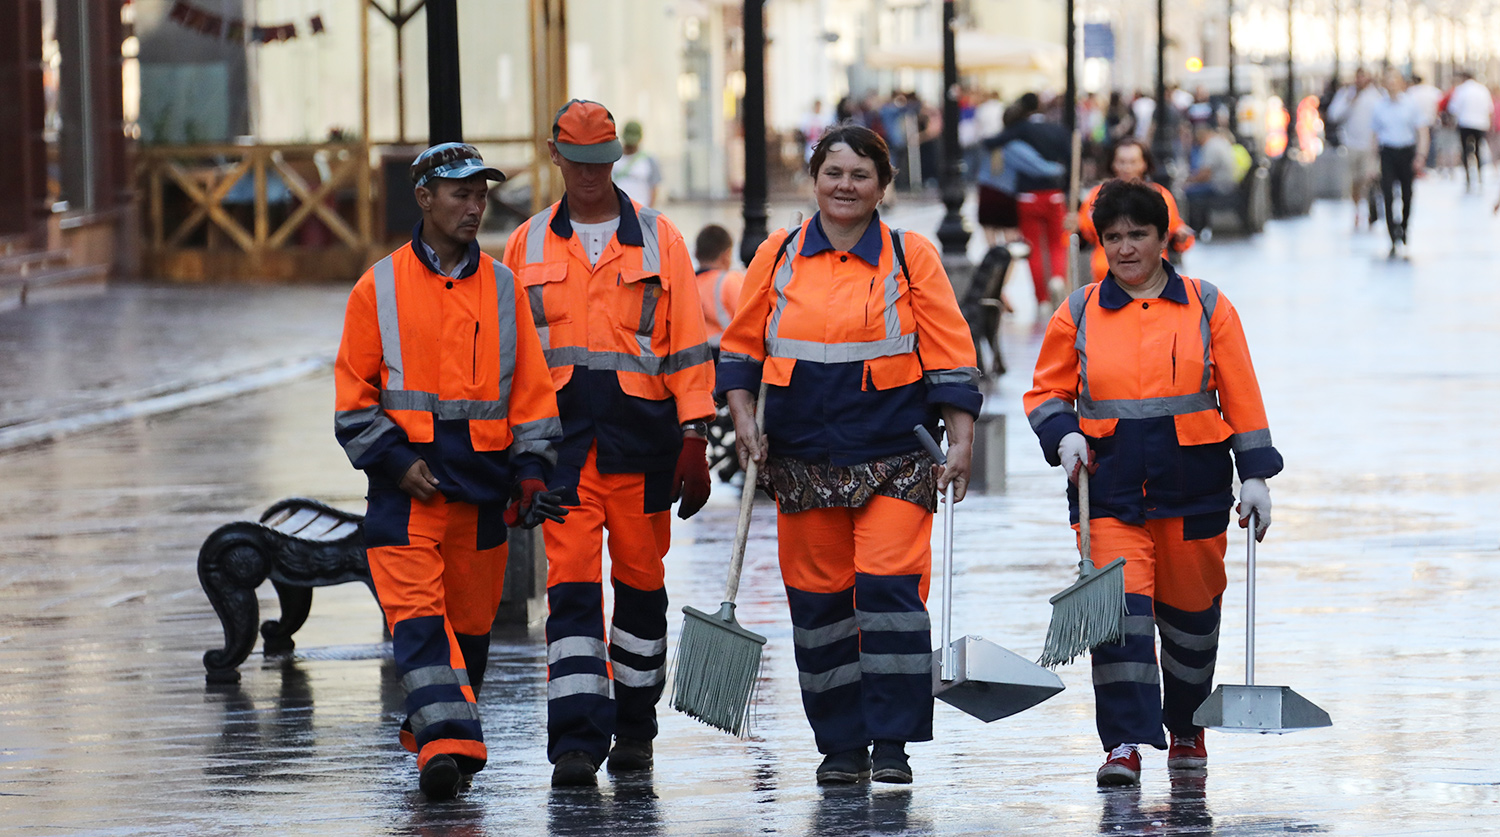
<point>833,678</point>
<point>1145,673</point>
<point>911,620</point>
<point>896,663</point>
<point>1183,639</point>
<point>627,641</point>
<point>433,713</point>
<point>576,646</point>
<point>636,678</point>
<point>1138,626</point>
<point>579,684</point>
<point>826,635</point>
<point>390,321</point>
<point>419,678</point>
<point>1185,673</point>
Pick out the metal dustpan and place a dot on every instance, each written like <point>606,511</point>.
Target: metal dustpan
<point>971,673</point>
<point>1252,708</point>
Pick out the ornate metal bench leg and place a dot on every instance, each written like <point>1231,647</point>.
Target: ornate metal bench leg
<point>231,564</point>
<point>295,604</point>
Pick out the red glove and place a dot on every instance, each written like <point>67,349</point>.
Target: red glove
<point>690,481</point>
<point>520,507</point>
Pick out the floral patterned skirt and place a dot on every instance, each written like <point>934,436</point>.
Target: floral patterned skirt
<point>799,485</point>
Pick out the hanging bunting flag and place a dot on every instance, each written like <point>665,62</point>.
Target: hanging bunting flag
<point>188,16</point>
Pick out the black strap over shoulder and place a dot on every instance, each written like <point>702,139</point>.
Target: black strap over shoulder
<point>896,236</point>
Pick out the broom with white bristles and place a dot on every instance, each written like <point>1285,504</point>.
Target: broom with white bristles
<point>1090,611</point>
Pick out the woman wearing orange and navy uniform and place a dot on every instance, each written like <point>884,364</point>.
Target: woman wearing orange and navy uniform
<point>1146,380</point>
<point>1131,160</point>
<point>855,329</point>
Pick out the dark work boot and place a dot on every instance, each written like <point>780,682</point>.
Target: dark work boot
<point>844,768</point>
<point>575,769</point>
<point>629,754</point>
<point>440,777</point>
<point>890,764</point>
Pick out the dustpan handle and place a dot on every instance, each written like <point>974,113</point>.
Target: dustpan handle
<point>1085,562</point>
<point>1250,603</point>
<point>946,662</point>
<point>747,501</point>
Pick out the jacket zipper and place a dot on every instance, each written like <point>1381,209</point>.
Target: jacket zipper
<point>867,300</point>
<point>1174,359</point>
<point>474,374</point>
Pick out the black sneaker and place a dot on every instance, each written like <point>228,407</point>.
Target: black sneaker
<point>574,769</point>
<point>844,768</point>
<point>890,764</point>
<point>629,754</point>
<point>440,777</point>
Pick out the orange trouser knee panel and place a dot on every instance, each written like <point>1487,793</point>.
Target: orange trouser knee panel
<point>822,549</point>
<point>440,571</point>
<point>1159,563</point>
<point>637,541</point>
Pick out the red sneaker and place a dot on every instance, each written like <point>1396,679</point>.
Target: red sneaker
<point>1123,767</point>
<point>1187,753</point>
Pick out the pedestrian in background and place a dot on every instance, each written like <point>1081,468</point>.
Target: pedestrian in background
<point>636,172</point>
<point>1040,200</point>
<point>1352,109</point>
<point>1426,97</point>
<point>451,459</point>
<point>1167,392</point>
<point>1213,178</point>
<point>1132,162</point>
<point>611,291</point>
<point>855,330</point>
<point>1397,121</point>
<point>718,284</point>
<point>1473,109</point>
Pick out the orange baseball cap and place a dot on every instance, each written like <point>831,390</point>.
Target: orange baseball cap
<point>584,132</point>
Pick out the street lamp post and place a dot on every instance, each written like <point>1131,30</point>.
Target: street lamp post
<point>1161,143</point>
<point>754,116</point>
<point>1232,95</point>
<point>952,232</point>
<point>444,113</point>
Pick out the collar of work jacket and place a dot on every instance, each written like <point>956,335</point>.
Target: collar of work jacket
<point>419,247</point>
<point>1113,297</point>
<point>869,247</point>
<point>629,233</point>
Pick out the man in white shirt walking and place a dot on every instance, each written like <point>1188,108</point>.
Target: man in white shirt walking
<point>1397,122</point>
<point>637,173</point>
<point>1351,109</point>
<point>1472,109</point>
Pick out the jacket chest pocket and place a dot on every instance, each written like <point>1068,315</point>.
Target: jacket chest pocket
<point>536,279</point>
<point>636,308</point>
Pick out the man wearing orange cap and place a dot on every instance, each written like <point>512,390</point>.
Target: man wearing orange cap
<point>613,296</point>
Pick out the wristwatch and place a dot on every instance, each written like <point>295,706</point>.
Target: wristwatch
<point>698,426</point>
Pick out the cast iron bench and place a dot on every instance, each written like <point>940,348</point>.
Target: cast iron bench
<point>299,544</point>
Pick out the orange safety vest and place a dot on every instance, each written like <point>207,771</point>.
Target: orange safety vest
<point>419,348</point>
<point>719,294</point>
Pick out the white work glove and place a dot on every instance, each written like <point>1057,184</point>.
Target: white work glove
<point>1255,497</point>
<point>1074,452</point>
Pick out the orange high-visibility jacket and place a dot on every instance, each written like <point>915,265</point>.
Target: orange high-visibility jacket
<point>1162,388</point>
<point>447,370</point>
<point>719,294</point>
<point>624,337</point>
<point>1098,264</point>
<point>856,350</point>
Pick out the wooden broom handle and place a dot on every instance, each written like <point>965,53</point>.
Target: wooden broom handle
<point>747,501</point>
<point>1085,562</point>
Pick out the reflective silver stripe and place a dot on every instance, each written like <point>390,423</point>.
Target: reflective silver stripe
<point>1208,297</point>
<point>360,444</point>
<point>1108,673</point>
<point>425,676</point>
<point>915,620</point>
<point>539,315</point>
<point>1047,409</point>
<point>579,684</point>
<point>1138,626</point>
<point>961,375</point>
<point>1185,673</point>
<point>1143,408</point>
<point>627,641</point>
<point>783,278</point>
<point>1183,639</point>
<point>831,679</point>
<point>1209,294</point>
<point>434,713</point>
<point>1078,306</point>
<point>1250,441</point>
<point>535,437</point>
<point>892,293</point>
<point>621,362</point>
<point>896,663</point>
<point>451,410</point>
<point>536,236</point>
<point>736,357</point>
<point>636,678</point>
<point>390,322</point>
<point>826,635</point>
<point>576,646</point>
<point>505,310</point>
<point>651,249</point>
<point>648,321</point>
<point>350,419</point>
<point>811,351</point>
<point>1076,302</point>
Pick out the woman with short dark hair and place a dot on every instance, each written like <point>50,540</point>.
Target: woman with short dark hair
<point>1144,379</point>
<point>854,330</point>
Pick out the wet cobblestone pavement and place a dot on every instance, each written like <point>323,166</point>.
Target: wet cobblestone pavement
<point>1379,594</point>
